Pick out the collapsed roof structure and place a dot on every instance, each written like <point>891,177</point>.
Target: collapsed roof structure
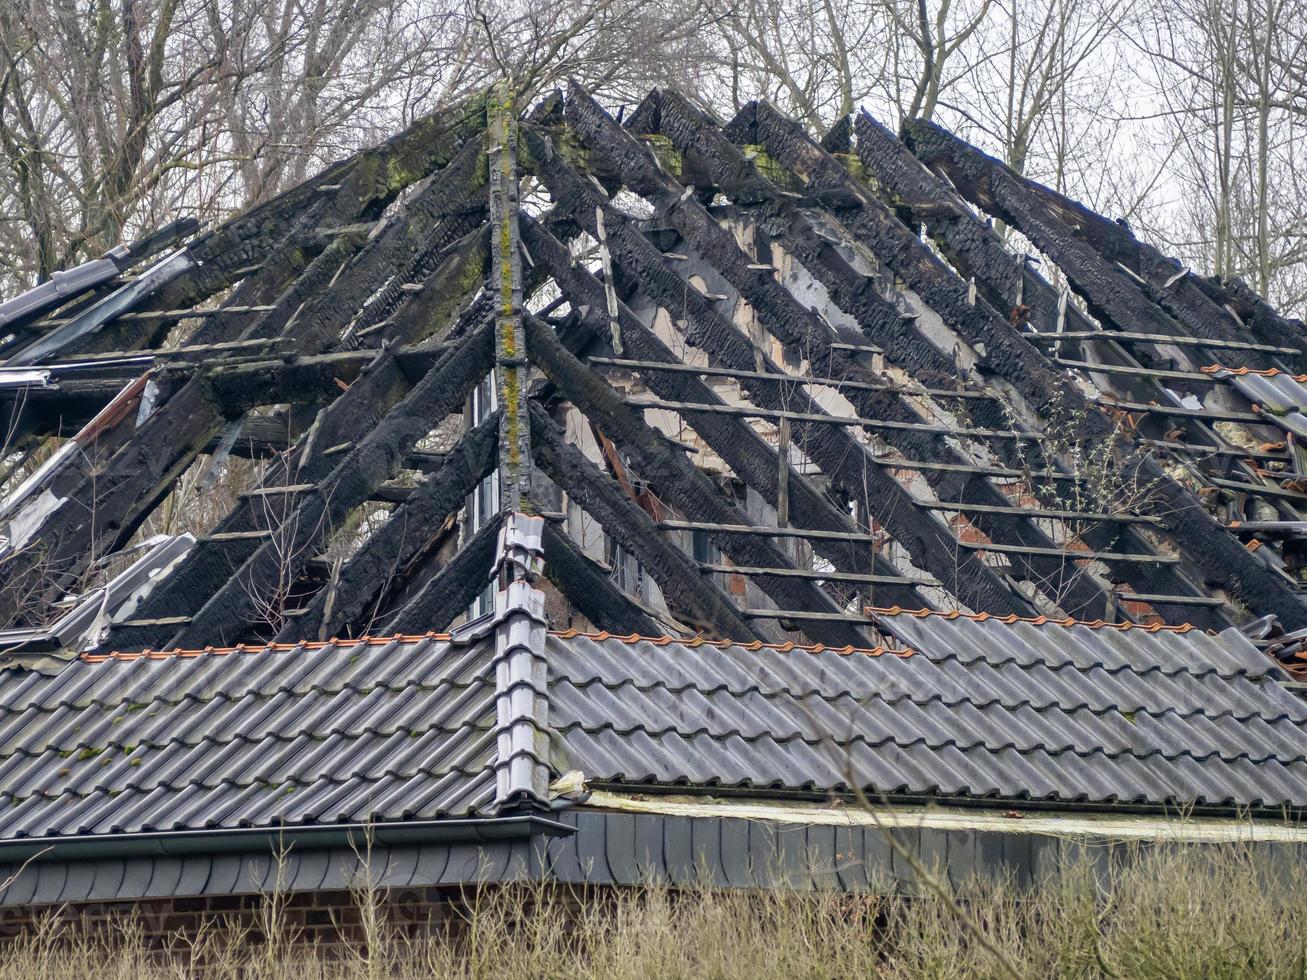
<point>760,393</point>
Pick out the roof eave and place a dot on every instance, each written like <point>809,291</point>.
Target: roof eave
<point>357,836</point>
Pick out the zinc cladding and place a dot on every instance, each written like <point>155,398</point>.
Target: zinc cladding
<point>384,730</point>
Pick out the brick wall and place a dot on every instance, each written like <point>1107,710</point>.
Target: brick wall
<point>329,919</point>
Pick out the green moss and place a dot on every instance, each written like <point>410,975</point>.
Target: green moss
<point>852,164</point>
<point>88,753</point>
<point>571,150</point>
<point>767,166</point>
<point>665,152</point>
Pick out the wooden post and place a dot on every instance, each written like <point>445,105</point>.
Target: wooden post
<point>783,473</point>
<point>506,282</point>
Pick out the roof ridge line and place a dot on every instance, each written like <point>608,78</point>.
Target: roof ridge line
<point>699,640</point>
<point>93,657</point>
<point>1013,618</point>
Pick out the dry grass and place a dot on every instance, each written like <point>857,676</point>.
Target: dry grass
<point>1214,912</point>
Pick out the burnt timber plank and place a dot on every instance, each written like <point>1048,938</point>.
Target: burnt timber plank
<point>1006,281</point>
<point>1059,226</point>
<point>372,570</point>
<point>209,564</point>
<point>833,448</point>
<point>793,323</point>
<point>676,480</point>
<point>1168,284</point>
<point>354,189</point>
<point>505,282</point>
<point>100,509</point>
<point>447,594</point>
<point>234,608</point>
<point>743,449</point>
<point>1218,558</point>
<point>694,600</point>
<point>590,589</point>
<point>309,316</point>
<point>1259,316</point>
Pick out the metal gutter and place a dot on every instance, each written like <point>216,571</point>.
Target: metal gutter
<point>246,839</point>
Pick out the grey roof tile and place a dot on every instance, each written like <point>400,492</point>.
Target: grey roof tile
<point>343,731</point>
<point>407,729</point>
<point>982,709</point>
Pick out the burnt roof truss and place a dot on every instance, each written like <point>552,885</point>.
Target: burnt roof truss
<point>750,397</point>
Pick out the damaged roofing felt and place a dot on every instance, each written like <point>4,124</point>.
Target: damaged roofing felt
<point>403,729</point>
<point>724,347</point>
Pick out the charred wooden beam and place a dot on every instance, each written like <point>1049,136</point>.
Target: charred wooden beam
<point>354,189</point>
<point>371,571</point>
<point>1007,354</point>
<point>447,282</point>
<point>848,421</point>
<point>1222,561</point>
<point>260,437</point>
<point>173,435</point>
<point>447,594</point>
<point>506,283</point>
<point>710,145</point>
<point>811,574</point>
<point>976,251</point>
<point>376,455</point>
<point>142,463</point>
<point>841,456</point>
<point>295,380</point>
<point>591,590</point>
<point>1126,337</point>
<point>742,448</point>
<point>102,507</point>
<point>693,599</point>
<point>674,478</point>
<point>836,384</point>
<point>1165,281</point>
<point>235,385</point>
<point>446,214</point>
<point>1264,321</point>
<point>211,562</point>
<point>897,420</point>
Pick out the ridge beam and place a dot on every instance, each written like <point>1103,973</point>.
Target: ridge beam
<point>506,284</point>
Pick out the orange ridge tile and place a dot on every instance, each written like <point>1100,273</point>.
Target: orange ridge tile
<point>184,653</point>
<point>699,640</point>
<point>1264,372</point>
<point>1033,620</point>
